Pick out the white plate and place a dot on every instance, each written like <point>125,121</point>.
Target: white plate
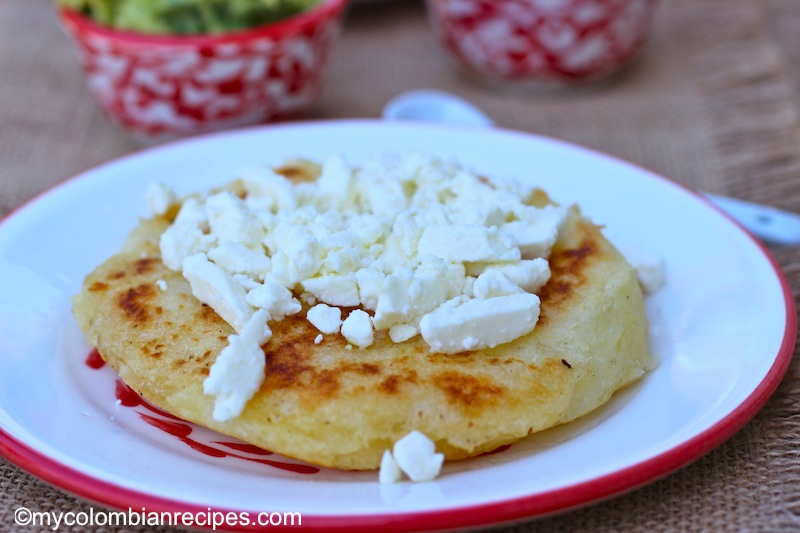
<point>723,327</point>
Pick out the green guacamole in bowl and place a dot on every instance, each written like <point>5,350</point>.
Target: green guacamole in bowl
<point>186,17</point>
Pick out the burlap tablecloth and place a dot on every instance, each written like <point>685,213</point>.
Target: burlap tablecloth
<point>712,102</point>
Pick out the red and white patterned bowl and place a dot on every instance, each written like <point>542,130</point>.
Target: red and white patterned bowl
<point>162,87</point>
<point>548,41</point>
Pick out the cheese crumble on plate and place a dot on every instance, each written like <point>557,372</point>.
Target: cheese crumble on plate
<point>411,245</point>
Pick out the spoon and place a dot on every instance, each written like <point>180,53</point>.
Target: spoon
<point>771,225</point>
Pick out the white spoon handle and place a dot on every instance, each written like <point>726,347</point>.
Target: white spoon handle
<point>769,224</point>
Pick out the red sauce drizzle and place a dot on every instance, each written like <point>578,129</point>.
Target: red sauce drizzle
<point>183,431</point>
<point>127,395</point>
<point>130,398</point>
<point>202,448</point>
<point>95,360</point>
<point>499,449</point>
<point>244,447</point>
<point>180,429</point>
<point>175,429</point>
<point>290,467</point>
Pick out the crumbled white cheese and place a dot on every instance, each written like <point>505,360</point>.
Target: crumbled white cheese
<point>238,370</point>
<point>370,281</point>
<point>246,282</point>
<point>229,219</point>
<point>270,188</point>
<point>398,237</point>
<point>297,253</point>
<point>536,234</point>
<point>237,258</point>
<point>325,318</point>
<point>394,300</point>
<point>390,471</point>
<point>334,289</point>
<point>162,284</point>
<point>413,243</point>
<point>357,329</point>
<point>402,332</point>
<point>336,181</point>
<point>415,454</point>
<point>159,198</point>
<point>468,243</point>
<point>187,235</point>
<point>318,339</point>
<point>464,324</point>
<point>275,298</point>
<point>216,288</point>
<point>493,282</point>
<point>649,267</point>
<point>529,274</point>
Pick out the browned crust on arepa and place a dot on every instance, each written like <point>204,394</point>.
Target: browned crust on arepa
<point>341,407</point>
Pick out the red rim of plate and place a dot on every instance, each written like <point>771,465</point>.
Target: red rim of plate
<point>323,10</point>
<point>527,507</point>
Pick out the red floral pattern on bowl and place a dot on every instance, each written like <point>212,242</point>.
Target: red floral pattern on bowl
<point>162,87</point>
<point>542,40</point>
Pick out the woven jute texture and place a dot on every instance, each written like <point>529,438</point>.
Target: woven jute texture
<point>711,102</point>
